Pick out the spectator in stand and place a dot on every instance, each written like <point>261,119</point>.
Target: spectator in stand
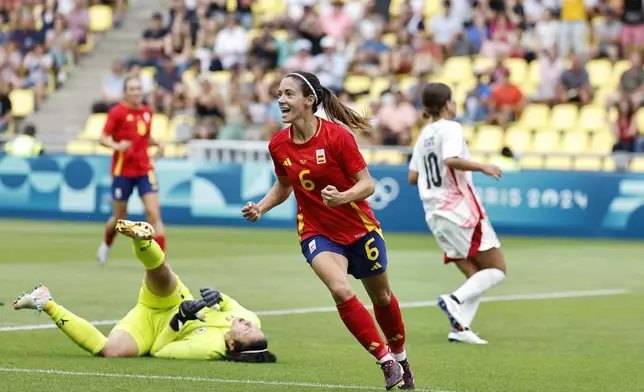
<point>263,49</point>
<point>574,27</point>
<point>113,87</point>
<point>244,13</point>
<point>507,101</point>
<point>546,30</point>
<point>78,21</point>
<point>48,14</point>
<point>178,44</point>
<point>302,61</point>
<point>331,66</point>
<point>477,32</point>
<point>167,79</point>
<point>396,118</point>
<point>153,43</point>
<point>444,28</point>
<point>286,47</point>
<point>6,111</point>
<point>310,28</point>
<point>209,105</point>
<point>257,113</point>
<point>11,64</point>
<point>551,67</point>
<point>631,83</point>
<point>274,122</point>
<point>625,127</point>
<point>632,37</point>
<point>205,45</point>
<point>370,22</point>
<point>477,103</point>
<point>607,35</point>
<point>61,43</point>
<point>27,36</point>
<point>231,44</point>
<point>372,56</point>
<point>38,63</point>
<point>574,85</point>
<point>337,23</point>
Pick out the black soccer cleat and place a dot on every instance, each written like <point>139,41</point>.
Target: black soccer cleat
<point>408,376</point>
<point>393,373</point>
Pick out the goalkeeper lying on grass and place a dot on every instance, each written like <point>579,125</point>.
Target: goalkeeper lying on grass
<point>167,322</point>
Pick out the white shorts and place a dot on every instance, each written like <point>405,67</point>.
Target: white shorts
<point>461,242</point>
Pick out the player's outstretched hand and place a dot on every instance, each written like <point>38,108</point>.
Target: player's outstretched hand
<point>251,212</point>
<point>331,196</point>
<point>188,311</point>
<point>123,145</point>
<point>492,171</point>
<point>211,297</point>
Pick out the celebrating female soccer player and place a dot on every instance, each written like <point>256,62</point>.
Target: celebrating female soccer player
<point>127,131</point>
<point>164,322</point>
<point>319,160</point>
<point>441,167</point>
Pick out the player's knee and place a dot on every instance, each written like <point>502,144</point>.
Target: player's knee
<point>381,298</point>
<point>341,292</point>
<point>117,351</point>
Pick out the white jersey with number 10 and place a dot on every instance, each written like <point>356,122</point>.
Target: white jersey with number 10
<point>445,192</point>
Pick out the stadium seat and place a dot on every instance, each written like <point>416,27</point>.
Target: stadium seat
<point>563,117</point>
<point>150,72</point>
<point>88,46</point>
<point>637,165</point>
<point>558,163</point>
<point>531,162</point>
<point>488,138</point>
<point>545,140</point>
<point>100,18</point>
<point>280,35</point>
<point>602,143</point>
<point>574,142</point>
<point>484,63</point>
<point>390,157</point>
<point>518,139</point>
<point>432,8</point>
<point>518,70</point>
<point>468,132</point>
<point>534,72</point>
<point>592,118</point>
<point>608,164</point>
<point>390,39</point>
<point>220,77</point>
<point>357,84</point>
<point>599,72</point>
<point>160,128</point>
<point>81,147</point>
<point>456,69</point>
<point>618,69</point>
<point>406,83</point>
<point>367,155</point>
<point>100,150</point>
<point>378,86</point>
<point>639,118</point>
<point>601,95</point>
<point>477,157</point>
<point>94,126</point>
<point>587,163</point>
<point>173,150</point>
<point>23,102</point>
<point>535,115</point>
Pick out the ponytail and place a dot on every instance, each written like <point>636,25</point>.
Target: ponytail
<point>341,113</point>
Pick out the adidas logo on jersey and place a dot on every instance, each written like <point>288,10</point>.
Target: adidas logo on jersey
<point>287,162</point>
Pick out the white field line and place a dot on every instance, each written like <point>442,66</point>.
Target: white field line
<point>202,379</point>
<point>326,309</point>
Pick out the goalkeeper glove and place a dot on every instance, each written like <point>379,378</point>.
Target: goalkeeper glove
<point>188,311</point>
<point>211,297</point>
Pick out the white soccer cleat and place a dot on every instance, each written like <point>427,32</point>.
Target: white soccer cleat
<point>465,337</point>
<point>36,300</point>
<point>453,311</point>
<point>137,230</point>
<point>103,253</point>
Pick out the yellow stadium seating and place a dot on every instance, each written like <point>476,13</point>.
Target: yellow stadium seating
<point>488,138</point>
<point>534,73</point>
<point>618,69</point>
<point>484,63</point>
<point>639,118</point>
<point>150,72</point>
<point>406,83</point>
<point>587,163</point>
<point>22,102</point>
<point>366,154</point>
<point>563,117</point>
<point>637,165</point>
<point>433,8</point>
<point>100,18</point>
<point>602,143</point>
<point>280,35</point>
<point>592,118</point>
<point>531,162</point>
<point>88,46</point>
<point>160,128</point>
<point>457,69</point>
<point>220,77</point>
<point>390,39</point>
<point>518,70</point>
<point>378,86</point>
<point>599,72</point>
<point>518,139</point>
<point>94,126</point>
<point>602,94</point>
<point>481,158</point>
<point>545,140</point>
<point>356,84</point>
<point>81,147</point>
<point>175,150</point>
<point>179,120</point>
<point>231,5</point>
<point>468,132</point>
<point>100,150</point>
<point>391,157</point>
<point>608,164</point>
<point>250,35</point>
<point>535,115</point>
<point>574,142</point>
<point>558,163</point>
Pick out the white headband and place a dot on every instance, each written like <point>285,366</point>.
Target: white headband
<point>253,351</point>
<point>307,83</point>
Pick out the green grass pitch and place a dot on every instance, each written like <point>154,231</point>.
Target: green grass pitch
<point>590,343</point>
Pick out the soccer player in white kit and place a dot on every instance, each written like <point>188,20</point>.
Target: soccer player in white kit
<point>441,167</point>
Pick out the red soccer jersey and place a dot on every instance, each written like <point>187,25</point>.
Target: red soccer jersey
<point>330,157</point>
<point>126,123</point>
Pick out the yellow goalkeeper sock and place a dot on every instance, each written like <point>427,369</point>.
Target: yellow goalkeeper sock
<point>149,253</point>
<point>79,330</point>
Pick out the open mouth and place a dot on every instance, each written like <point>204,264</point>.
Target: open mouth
<point>285,109</point>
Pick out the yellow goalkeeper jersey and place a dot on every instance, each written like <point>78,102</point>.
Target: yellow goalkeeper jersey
<point>202,340</point>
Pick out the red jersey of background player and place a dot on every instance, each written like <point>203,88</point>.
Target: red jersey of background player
<point>127,123</point>
<point>330,157</point>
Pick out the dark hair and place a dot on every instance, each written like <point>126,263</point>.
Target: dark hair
<point>507,152</point>
<point>127,80</point>
<point>337,111</point>
<point>29,130</point>
<point>435,97</point>
<point>254,352</point>
<point>630,109</point>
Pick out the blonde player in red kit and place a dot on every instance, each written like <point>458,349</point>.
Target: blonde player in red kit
<point>127,132</point>
<point>320,162</point>
<point>441,167</point>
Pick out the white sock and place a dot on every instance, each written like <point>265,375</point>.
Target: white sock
<point>479,283</point>
<point>468,310</point>
<point>400,357</point>
<point>386,358</point>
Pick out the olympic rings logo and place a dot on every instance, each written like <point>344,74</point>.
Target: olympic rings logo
<point>387,190</point>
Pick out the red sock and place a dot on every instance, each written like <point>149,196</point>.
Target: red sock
<point>161,241</point>
<point>360,323</point>
<point>391,322</point>
<point>110,233</point>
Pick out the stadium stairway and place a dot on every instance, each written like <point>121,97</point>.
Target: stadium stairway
<point>63,114</point>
